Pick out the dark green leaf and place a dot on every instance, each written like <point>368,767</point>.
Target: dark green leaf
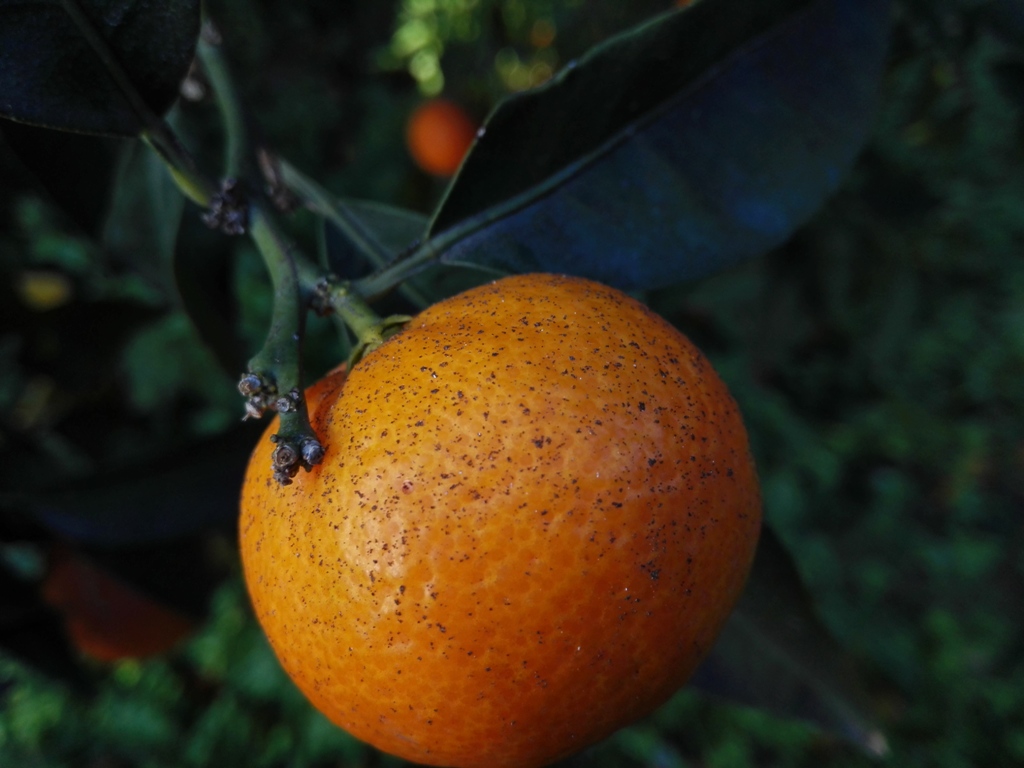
<point>51,76</point>
<point>191,491</point>
<point>202,274</point>
<point>79,345</point>
<point>774,654</point>
<point>681,147</point>
<point>141,228</point>
<point>393,229</point>
<point>75,171</point>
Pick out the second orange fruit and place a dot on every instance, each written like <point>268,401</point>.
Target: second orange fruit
<point>438,134</point>
<point>536,510</point>
<point>106,618</point>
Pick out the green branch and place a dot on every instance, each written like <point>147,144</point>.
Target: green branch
<point>320,201</point>
<point>238,154</point>
<point>397,271</point>
<point>274,379</point>
<point>369,328</point>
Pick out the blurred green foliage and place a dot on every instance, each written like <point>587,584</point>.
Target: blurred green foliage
<point>878,358</point>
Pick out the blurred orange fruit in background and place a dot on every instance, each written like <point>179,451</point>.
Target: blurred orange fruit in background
<point>438,134</point>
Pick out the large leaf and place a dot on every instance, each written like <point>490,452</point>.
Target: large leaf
<point>50,75</point>
<point>75,171</point>
<point>775,654</point>
<point>190,492</point>
<point>699,139</point>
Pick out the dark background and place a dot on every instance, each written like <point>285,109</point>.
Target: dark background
<point>878,357</point>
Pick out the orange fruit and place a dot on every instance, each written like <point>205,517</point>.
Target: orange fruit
<point>106,618</point>
<point>536,509</point>
<point>438,135</point>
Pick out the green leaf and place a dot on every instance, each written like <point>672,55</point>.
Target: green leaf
<point>141,228</point>
<point>391,233</point>
<point>202,267</point>
<point>75,171</point>
<point>391,230</point>
<point>774,654</point>
<point>701,138</point>
<point>50,74</point>
<point>86,340</point>
<point>194,490</point>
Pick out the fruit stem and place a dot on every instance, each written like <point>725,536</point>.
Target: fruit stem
<point>274,377</point>
<point>369,328</point>
<point>273,380</point>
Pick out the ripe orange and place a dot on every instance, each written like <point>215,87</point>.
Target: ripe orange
<point>438,134</point>
<point>536,510</point>
<point>106,618</point>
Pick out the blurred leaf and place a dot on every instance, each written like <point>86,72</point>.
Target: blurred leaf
<point>774,654</point>
<point>141,228</point>
<point>191,491</point>
<point>1009,76</point>
<point>202,276</point>
<point>51,76</point>
<point>683,146</point>
<point>166,361</point>
<point>75,171</point>
<point>80,344</point>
